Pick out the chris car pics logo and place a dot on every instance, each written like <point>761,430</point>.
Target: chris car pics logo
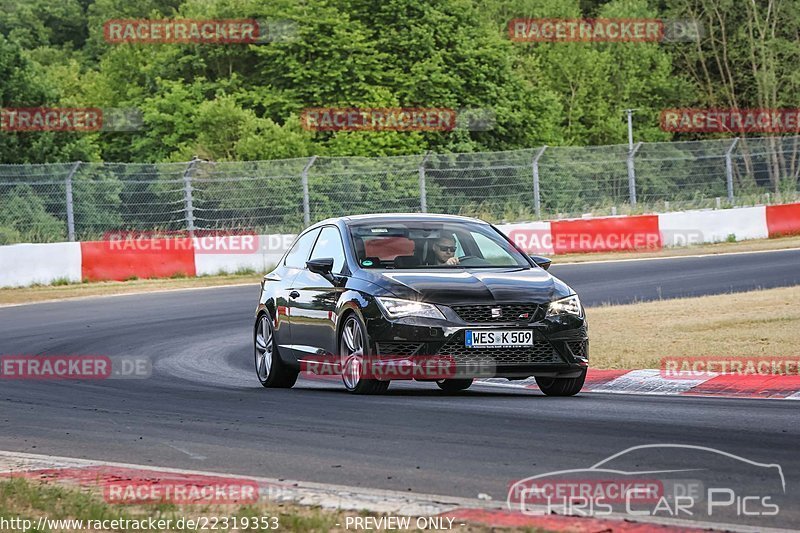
<point>657,480</point>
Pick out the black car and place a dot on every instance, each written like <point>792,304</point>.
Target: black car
<point>438,298</point>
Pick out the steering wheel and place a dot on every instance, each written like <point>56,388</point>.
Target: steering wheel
<point>473,259</point>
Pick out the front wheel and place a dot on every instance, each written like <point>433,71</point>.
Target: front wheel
<point>271,371</point>
<point>454,385</point>
<point>561,386</point>
<point>352,343</point>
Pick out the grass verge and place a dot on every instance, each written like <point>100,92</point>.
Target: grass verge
<point>26,499</point>
<point>749,324</point>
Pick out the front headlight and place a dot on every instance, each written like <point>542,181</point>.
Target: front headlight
<point>571,305</point>
<point>395,308</point>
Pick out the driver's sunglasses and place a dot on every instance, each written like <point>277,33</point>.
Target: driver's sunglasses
<point>451,249</point>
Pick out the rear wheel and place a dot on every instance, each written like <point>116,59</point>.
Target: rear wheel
<point>561,386</point>
<point>271,371</point>
<point>352,343</point>
<point>454,385</point>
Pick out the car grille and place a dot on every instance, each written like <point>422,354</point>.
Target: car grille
<point>482,314</point>
<point>540,352</point>
<point>402,349</point>
<point>579,348</point>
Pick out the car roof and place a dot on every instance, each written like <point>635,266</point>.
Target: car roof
<point>398,217</point>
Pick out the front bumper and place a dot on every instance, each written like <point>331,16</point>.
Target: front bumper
<point>560,347</point>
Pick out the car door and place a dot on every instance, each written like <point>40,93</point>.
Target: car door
<point>313,308</point>
<point>293,265</point>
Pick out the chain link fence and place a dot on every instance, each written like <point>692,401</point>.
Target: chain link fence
<point>84,201</point>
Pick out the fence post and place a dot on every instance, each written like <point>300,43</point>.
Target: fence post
<point>729,169</point>
<point>70,205</point>
<point>306,201</point>
<point>187,195</point>
<point>537,199</point>
<point>423,198</point>
<point>632,174</point>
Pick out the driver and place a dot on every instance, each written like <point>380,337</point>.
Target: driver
<point>444,251</point>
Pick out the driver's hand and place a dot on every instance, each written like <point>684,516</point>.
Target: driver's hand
<point>452,261</point>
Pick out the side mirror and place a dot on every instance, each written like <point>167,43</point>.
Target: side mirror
<point>543,262</point>
<point>323,267</point>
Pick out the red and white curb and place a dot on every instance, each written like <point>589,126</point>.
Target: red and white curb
<point>654,382</point>
<point>99,473</point>
<point>462,511</point>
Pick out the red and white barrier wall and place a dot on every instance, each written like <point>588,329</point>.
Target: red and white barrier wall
<point>28,264</point>
<point>715,226</point>
<point>653,232</point>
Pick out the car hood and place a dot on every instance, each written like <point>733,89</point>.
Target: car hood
<point>471,286</point>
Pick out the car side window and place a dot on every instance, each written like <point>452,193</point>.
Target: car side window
<point>297,256</point>
<point>459,247</point>
<point>329,244</point>
<point>492,251</point>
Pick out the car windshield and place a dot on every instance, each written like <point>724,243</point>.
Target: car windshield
<point>418,244</point>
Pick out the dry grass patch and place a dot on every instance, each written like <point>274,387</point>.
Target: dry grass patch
<point>750,324</point>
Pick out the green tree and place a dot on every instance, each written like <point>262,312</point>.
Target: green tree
<point>745,59</point>
<point>34,23</point>
<point>25,84</point>
<point>24,218</point>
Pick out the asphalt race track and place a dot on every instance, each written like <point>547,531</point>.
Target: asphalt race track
<point>641,280</point>
<point>204,409</point>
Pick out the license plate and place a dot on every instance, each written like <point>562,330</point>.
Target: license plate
<point>498,338</point>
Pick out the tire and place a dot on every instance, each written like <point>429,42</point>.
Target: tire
<point>454,385</point>
<point>352,341</point>
<point>270,370</point>
<point>561,386</point>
